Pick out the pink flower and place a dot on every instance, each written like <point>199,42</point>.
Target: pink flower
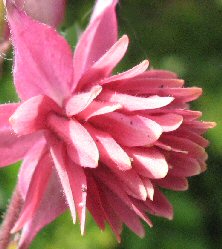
<point>47,11</point>
<point>107,141</point>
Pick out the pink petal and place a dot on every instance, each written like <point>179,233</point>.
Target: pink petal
<point>48,11</point>
<point>111,216</point>
<point>81,147</point>
<point>128,181</point>
<point>111,154</point>
<point>155,73</point>
<point>6,110</point>
<point>203,165</point>
<point>173,183</point>
<point>139,210</point>
<point>79,102</point>
<point>198,126</point>
<point>169,122</point>
<point>132,103</point>
<point>78,184</point>
<point>194,150</point>
<point>193,136</point>
<point>29,164</point>
<point>183,166</point>
<point>52,205</point>
<point>121,127</point>
<point>100,7</point>
<point>13,148</point>
<point>59,156</point>
<point>31,115</point>
<point>144,85</point>
<point>160,206</point>
<point>132,183</point>
<point>46,55</point>
<point>149,187</point>
<point>94,203</point>
<point>113,185</point>
<point>73,181</point>
<point>97,108</point>
<point>99,36</point>
<point>166,147</point>
<point>111,181</point>
<point>104,66</point>
<point>131,73</point>
<point>125,214</point>
<point>181,94</point>
<point>149,162</point>
<point>188,115</point>
<point>38,182</point>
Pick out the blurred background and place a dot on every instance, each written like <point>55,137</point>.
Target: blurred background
<point>182,36</point>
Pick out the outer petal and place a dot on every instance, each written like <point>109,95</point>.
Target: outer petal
<point>30,116</point>
<point>29,164</point>
<point>13,148</point>
<point>43,59</point>
<point>100,35</point>
<point>36,191</point>
<point>6,110</point>
<point>52,205</point>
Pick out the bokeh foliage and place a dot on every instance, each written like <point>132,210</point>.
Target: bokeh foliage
<point>183,36</point>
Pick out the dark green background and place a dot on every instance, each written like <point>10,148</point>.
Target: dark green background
<point>182,36</point>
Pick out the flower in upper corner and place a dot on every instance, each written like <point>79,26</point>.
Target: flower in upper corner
<point>50,12</point>
<point>109,142</point>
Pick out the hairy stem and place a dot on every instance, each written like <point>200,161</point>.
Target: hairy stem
<point>10,218</point>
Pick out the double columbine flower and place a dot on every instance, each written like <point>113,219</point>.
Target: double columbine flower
<point>90,139</point>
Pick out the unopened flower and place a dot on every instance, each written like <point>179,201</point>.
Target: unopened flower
<point>109,142</point>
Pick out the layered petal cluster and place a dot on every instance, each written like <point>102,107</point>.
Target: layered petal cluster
<point>90,139</point>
